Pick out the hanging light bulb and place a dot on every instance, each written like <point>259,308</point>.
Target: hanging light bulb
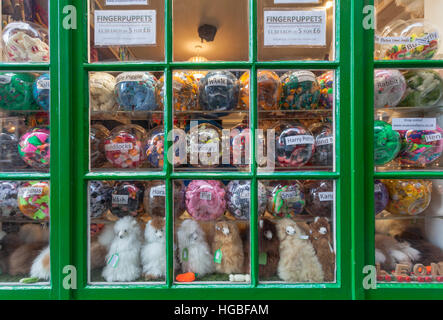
<point>198,74</point>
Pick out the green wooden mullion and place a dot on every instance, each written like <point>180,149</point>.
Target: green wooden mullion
<point>302,175</point>
<point>306,64</point>
<point>212,175</point>
<point>60,129</point>
<point>407,64</point>
<point>17,67</point>
<point>135,175</point>
<point>24,176</point>
<point>406,174</point>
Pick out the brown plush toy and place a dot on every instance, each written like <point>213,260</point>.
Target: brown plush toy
<point>321,238</point>
<point>227,248</point>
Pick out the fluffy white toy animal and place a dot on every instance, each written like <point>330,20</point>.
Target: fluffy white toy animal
<point>123,258</point>
<point>153,252</point>
<point>41,268</point>
<point>298,261</point>
<point>195,255</point>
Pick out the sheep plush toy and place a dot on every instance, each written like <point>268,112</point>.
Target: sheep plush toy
<point>123,258</point>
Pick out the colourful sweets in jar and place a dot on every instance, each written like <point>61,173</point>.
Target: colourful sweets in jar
<point>126,199</point>
<point>97,137</point>
<point>16,91</point>
<point>381,196</point>
<point>300,91</point>
<point>424,88</point>
<point>136,91</point>
<point>41,90</point>
<point>326,83</point>
<point>294,145</point>
<point>285,199</point>
<point>319,198</point>
<point>422,147</point>
<point>218,91</point>
<point>205,199</point>
<point>387,143</point>
<point>240,147</point>
<point>184,91</point>
<point>389,88</point>
<point>155,147</point>
<point>33,199</point>
<point>101,89</point>
<point>408,197</point>
<point>34,148</point>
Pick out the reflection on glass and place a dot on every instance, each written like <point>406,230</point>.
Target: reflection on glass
<point>127,240</point>
<point>296,231</point>
<point>407,128</point>
<point>408,224</point>
<point>24,232</point>
<point>126,113</point>
<point>212,233</point>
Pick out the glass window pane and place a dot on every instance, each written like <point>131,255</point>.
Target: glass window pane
<point>296,231</point>
<point>24,122</point>
<point>24,232</point>
<point>408,119</point>
<point>24,29</point>
<point>126,121</point>
<point>210,31</point>
<point>122,32</point>
<point>211,119</point>
<point>212,231</point>
<point>408,230</point>
<point>296,120</point>
<point>127,239</point>
<point>288,30</point>
<point>408,30</point>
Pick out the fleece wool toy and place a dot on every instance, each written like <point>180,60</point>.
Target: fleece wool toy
<point>298,262</point>
<point>389,252</point>
<point>321,239</point>
<point>41,268</point>
<point>227,248</point>
<point>194,253</point>
<point>268,246</point>
<point>123,258</point>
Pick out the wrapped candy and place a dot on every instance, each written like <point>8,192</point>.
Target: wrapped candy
<point>136,91</point>
<point>326,83</point>
<point>33,199</point>
<point>324,144</point>
<point>389,88</point>
<point>123,147</point>
<point>381,196</point>
<point>408,197</point>
<point>294,145</point>
<point>319,198</point>
<point>154,200</point>
<point>238,198</point>
<point>285,199</point>
<point>422,147</point>
<point>126,199</point>
<point>300,91</point>
<point>98,134</point>
<point>412,39</point>
<point>99,198</point>
<point>154,147</point>
<point>41,90</point>
<point>387,143</point>
<point>8,198</point>
<point>16,91</point>
<point>218,91</point>
<point>25,42</point>
<point>424,88</point>
<point>184,91</point>
<point>34,148</point>
<point>205,199</point>
<point>239,143</point>
<point>204,146</point>
<point>101,89</point>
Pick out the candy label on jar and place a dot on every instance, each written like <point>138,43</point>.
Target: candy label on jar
<point>119,146</point>
<point>4,79</point>
<point>217,81</point>
<point>205,196</point>
<point>302,139</point>
<point>30,191</point>
<point>205,147</point>
<point>125,2</point>
<point>120,199</point>
<point>288,195</point>
<point>295,28</point>
<point>43,84</point>
<point>130,76</point>
<point>433,137</point>
<point>326,196</point>
<point>245,194</point>
<point>124,27</point>
<point>404,124</point>
<point>303,75</point>
<point>158,191</point>
<point>389,83</point>
<point>324,141</point>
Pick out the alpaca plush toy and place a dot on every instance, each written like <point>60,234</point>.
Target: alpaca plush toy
<point>389,252</point>
<point>194,253</point>
<point>227,248</point>
<point>268,246</point>
<point>41,268</point>
<point>153,252</point>
<point>100,247</point>
<point>123,258</point>
<point>320,235</point>
<point>298,262</point>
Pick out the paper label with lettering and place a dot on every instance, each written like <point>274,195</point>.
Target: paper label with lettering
<point>158,191</point>
<point>120,199</point>
<point>295,28</point>
<point>119,146</point>
<point>301,139</point>
<point>30,191</point>
<point>404,124</point>
<point>124,27</point>
<point>433,137</point>
<point>205,196</point>
<point>326,196</point>
<point>324,141</point>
